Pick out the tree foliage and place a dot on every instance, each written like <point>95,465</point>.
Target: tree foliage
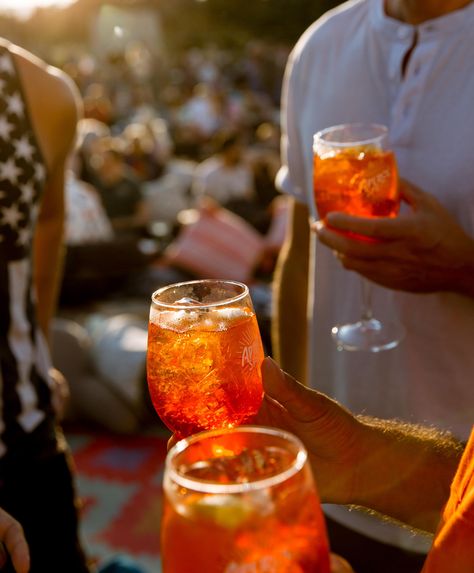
<point>185,22</point>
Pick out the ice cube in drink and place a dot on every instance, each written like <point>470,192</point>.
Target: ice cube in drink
<point>203,367</point>
<point>275,528</point>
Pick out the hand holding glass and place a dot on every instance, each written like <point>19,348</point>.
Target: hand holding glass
<point>242,501</point>
<point>204,356</point>
<point>355,173</point>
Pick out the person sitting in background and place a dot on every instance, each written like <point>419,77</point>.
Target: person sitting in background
<point>101,260</point>
<point>140,152</point>
<point>119,189</point>
<point>97,103</point>
<point>224,175</point>
<point>416,475</point>
<point>86,219</point>
<point>201,114</point>
<point>89,133</point>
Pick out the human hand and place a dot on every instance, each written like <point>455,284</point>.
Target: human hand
<point>340,565</point>
<point>14,543</point>
<point>61,394</point>
<point>331,434</point>
<point>424,250</point>
<point>172,441</point>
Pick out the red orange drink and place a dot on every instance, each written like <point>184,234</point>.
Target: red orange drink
<point>355,172</point>
<point>357,181</point>
<point>204,356</point>
<point>242,501</point>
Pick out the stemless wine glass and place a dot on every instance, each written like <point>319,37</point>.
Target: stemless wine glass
<point>204,356</point>
<point>241,501</point>
<point>354,172</point>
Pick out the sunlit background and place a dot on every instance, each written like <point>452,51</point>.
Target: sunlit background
<point>162,84</point>
<point>23,8</point>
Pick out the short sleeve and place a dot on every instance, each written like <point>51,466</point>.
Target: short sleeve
<point>290,178</point>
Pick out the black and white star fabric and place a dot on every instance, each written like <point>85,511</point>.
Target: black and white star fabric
<point>25,390</point>
<point>22,172</point>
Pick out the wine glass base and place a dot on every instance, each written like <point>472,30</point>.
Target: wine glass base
<point>368,335</point>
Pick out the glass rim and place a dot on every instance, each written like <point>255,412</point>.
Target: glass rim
<point>175,306</point>
<point>318,137</point>
<point>204,486</point>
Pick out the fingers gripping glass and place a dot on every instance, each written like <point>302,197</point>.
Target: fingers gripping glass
<point>355,173</point>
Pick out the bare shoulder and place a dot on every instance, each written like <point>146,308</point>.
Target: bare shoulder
<point>44,77</point>
<point>54,103</point>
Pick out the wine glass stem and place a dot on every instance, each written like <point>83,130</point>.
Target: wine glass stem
<point>366,300</point>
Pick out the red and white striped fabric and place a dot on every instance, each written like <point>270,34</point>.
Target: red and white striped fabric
<point>218,244</point>
<point>276,234</point>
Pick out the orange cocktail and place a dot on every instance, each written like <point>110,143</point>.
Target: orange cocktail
<point>355,172</point>
<point>242,501</point>
<point>358,181</point>
<point>204,356</point>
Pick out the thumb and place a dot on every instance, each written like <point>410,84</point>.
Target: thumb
<point>298,400</point>
<point>12,536</point>
<point>340,565</point>
<point>411,194</point>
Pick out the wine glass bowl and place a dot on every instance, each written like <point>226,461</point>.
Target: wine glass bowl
<point>355,173</point>
<point>242,500</point>
<point>204,356</point>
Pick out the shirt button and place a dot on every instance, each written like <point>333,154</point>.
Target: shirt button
<point>403,33</point>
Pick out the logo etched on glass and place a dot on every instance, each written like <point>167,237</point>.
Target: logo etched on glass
<point>251,352</point>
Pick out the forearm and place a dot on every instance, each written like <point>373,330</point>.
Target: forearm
<point>461,273</point>
<point>405,471</point>
<point>54,104</point>
<point>289,326</point>
<point>49,250</point>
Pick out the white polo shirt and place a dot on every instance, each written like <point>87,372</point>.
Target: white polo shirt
<point>347,68</point>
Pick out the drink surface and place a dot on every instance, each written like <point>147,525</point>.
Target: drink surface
<point>203,368</point>
<point>275,529</point>
<point>356,181</point>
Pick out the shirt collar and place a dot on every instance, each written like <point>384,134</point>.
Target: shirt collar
<point>393,29</point>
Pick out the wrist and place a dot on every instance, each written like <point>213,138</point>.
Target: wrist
<point>461,275</point>
<point>405,471</point>
<point>466,280</point>
<point>369,458</point>
<point>352,480</point>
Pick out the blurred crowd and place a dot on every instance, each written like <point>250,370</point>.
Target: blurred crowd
<point>163,143</point>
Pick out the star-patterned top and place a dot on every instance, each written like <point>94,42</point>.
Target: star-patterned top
<point>22,171</point>
<point>26,404</point>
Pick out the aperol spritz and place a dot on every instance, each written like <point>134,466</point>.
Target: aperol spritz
<point>358,181</point>
<point>354,172</point>
<point>204,356</point>
<point>242,501</point>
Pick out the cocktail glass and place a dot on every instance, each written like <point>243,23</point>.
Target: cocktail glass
<point>204,356</point>
<point>355,173</point>
<point>242,501</point>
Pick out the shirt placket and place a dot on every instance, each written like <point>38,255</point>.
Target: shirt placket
<point>407,94</point>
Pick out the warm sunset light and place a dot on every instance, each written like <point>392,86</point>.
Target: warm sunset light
<point>23,8</point>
